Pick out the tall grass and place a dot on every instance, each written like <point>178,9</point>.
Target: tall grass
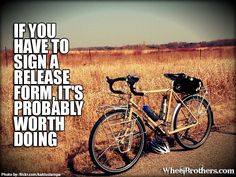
<point>215,66</point>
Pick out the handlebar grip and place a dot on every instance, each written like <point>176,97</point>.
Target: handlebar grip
<point>112,81</point>
<point>132,80</point>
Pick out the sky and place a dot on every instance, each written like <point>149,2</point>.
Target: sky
<point>118,23</point>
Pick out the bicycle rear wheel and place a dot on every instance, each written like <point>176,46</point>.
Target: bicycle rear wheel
<point>195,136</point>
<point>116,144</point>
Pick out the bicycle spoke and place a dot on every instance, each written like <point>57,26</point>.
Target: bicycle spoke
<point>118,142</point>
<point>194,136</point>
<point>125,158</point>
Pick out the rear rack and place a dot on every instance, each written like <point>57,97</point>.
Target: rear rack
<point>106,108</point>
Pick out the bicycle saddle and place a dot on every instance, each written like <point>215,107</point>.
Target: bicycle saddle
<point>172,76</point>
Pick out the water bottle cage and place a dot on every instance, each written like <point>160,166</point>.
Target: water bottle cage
<point>163,110</point>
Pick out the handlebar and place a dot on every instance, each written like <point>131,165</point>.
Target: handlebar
<point>130,79</point>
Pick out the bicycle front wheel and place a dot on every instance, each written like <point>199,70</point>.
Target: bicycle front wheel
<point>201,113</point>
<point>115,143</point>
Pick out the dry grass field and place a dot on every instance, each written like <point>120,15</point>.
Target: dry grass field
<point>215,66</point>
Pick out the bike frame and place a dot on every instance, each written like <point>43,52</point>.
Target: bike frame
<point>171,94</point>
<point>121,129</point>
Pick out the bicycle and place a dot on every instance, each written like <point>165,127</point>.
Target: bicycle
<point>118,137</point>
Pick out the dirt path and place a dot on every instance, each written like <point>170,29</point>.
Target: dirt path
<point>218,152</point>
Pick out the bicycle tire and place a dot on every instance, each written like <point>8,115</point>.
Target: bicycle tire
<point>209,120</point>
<point>96,127</point>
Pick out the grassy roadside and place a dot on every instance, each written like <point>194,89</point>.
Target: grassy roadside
<point>218,74</point>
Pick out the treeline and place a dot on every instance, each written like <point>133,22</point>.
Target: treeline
<point>171,45</point>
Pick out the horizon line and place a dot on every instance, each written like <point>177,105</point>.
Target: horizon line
<point>136,44</point>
